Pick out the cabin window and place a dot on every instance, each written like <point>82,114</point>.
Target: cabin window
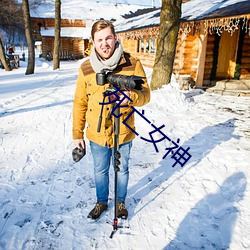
<point>140,45</point>
<point>146,45</point>
<point>152,45</point>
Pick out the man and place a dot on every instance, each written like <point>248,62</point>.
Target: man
<point>107,54</point>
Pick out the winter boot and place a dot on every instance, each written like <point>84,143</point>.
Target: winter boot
<point>122,211</point>
<point>97,210</point>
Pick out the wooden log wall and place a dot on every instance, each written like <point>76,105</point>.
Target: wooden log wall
<point>178,61</point>
<point>190,56</point>
<point>47,45</point>
<point>73,45</point>
<point>209,58</point>
<point>245,60</point>
<point>50,22</point>
<point>66,44</point>
<point>131,46</point>
<point>185,59</point>
<point>210,72</point>
<point>79,46</point>
<point>146,59</point>
<point>186,55</point>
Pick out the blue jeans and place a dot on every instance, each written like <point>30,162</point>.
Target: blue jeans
<point>102,158</point>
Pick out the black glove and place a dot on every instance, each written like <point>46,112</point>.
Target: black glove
<point>78,153</point>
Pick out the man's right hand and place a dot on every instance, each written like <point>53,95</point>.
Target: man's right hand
<point>78,152</point>
<point>79,143</point>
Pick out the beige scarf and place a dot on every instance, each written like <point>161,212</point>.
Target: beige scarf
<point>98,64</point>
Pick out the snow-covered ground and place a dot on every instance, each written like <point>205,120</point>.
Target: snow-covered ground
<point>45,197</point>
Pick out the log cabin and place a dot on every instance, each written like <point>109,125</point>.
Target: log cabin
<point>74,37</point>
<point>213,41</point>
<point>77,19</point>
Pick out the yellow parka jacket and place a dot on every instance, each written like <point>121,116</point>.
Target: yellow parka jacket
<point>89,95</point>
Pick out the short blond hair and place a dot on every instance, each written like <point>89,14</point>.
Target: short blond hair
<point>100,25</point>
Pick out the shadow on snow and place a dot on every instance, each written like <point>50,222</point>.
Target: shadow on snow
<point>23,110</point>
<point>210,136</point>
<point>209,225</point>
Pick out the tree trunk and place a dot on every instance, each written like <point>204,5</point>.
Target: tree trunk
<point>28,33</point>
<point>3,57</point>
<point>56,59</point>
<point>168,34</point>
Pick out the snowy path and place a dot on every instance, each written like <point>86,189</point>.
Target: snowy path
<point>45,197</point>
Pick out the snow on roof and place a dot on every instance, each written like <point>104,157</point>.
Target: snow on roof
<point>145,20</point>
<point>85,10</point>
<point>192,10</point>
<point>80,32</point>
<point>197,9</point>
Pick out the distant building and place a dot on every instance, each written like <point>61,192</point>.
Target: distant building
<point>77,19</point>
<point>75,36</point>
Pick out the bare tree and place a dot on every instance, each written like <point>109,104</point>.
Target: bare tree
<point>36,3</point>
<point>3,57</point>
<point>28,33</point>
<point>11,24</point>
<point>11,16</point>
<point>56,59</point>
<point>168,34</point>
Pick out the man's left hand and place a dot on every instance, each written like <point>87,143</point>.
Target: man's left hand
<point>123,96</point>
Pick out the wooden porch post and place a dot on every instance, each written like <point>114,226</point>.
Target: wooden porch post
<point>201,60</point>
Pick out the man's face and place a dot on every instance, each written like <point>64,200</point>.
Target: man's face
<point>104,42</point>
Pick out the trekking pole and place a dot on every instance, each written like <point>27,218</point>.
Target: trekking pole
<point>117,156</point>
<point>100,117</point>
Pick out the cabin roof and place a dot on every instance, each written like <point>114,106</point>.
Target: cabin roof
<point>140,21</point>
<point>85,10</point>
<point>77,32</point>
<point>208,9</point>
<point>193,10</point>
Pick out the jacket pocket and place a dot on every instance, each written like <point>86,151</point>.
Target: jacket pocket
<point>127,122</point>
